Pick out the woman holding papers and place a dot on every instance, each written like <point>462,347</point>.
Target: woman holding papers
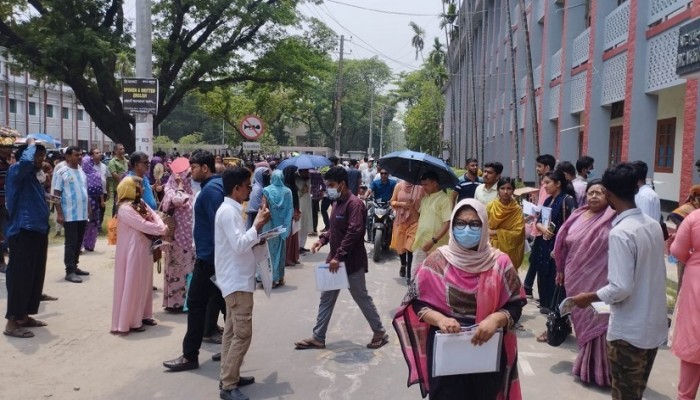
<point>581,255</point>
<point>555,210</point>
<point>464,283</point>
<point>506,222</point>
<point>132,305</point>
<point>686,341</point>
<point>279,201</point>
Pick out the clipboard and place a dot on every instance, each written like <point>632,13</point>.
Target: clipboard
<point>454,353</point>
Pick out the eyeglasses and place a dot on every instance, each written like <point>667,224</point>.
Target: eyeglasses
<point>462,225</point>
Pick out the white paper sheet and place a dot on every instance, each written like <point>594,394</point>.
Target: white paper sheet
<point>296,226</point>
<point>454,354</point>
<point>530,208</point>
<point>325,280</point>
<point>566,306</point>
<point>272,233</point>
<point>263,267</point>
<point>600,308</point>
<point>546,216</point>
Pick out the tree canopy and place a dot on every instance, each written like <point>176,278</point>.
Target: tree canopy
<point>198,45</point>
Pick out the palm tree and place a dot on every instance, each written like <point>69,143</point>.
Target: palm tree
<point>417,40</point>
<point>437,56</point>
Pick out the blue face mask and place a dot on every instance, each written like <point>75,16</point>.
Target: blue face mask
<point>591,173</point>
<point>467,238</point>
<point>332,193</point>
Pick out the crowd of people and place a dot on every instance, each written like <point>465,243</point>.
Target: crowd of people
<point>460,251</point>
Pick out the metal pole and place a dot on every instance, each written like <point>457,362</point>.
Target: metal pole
<point>381,133</point>
<point>144,69</point>
<point>370,151</point>
<point>339,96</point>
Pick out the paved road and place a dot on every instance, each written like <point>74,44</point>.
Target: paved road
<point>76,357</point>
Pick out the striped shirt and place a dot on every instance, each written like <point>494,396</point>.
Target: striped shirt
<point>74,198</point>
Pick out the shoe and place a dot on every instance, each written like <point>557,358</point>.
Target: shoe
<point>73,277</point>
<point>233,394</point>
<point>402,271</point>
<point>216,357</point>
<point>245,380</point>
<point>544,310</point>
<point>181,364</point>
<point>214,339</point>
<point>303,250</point>
<point>80,272</point>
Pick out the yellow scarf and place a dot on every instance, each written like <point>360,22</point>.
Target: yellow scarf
<point>507,221</point>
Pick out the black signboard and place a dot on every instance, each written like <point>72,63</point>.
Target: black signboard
<point>140,95</point>
<point>688,60</point>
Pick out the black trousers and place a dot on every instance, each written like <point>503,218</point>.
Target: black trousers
<point>325,204</point>
<point>74,231</point>
<point>315,206</point>
<point>202,291</point>
<point>25,273</point>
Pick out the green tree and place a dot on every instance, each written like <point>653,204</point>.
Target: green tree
<point>192,138</point>
<point>197,45</point>
<point>417,41</point>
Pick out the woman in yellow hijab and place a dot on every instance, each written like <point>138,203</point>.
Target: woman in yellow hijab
<point>132,305</point>
<point>506,222</point>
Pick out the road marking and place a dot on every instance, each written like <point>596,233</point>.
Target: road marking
<point>525,365</point>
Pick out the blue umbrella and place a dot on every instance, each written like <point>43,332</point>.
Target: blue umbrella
<point>411,165</point>
<point>46,138</point>
<point>305,161</point>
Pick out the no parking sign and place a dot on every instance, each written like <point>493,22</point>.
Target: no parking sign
<point>252,127</point>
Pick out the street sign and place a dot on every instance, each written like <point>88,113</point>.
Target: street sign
<point>688,59</point>
<point>252,127</point>
<point>252,146</point>
<point>140,95</point>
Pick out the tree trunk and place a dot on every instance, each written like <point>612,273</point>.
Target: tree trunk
<point>514,93</point>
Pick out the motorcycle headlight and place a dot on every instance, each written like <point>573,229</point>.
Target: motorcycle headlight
<point>380,212</point>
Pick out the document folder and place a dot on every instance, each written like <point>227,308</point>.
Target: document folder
<point>454,353</point>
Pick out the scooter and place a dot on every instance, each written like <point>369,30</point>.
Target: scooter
<point>380,221</point>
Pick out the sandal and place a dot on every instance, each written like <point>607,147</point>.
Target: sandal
<point>20,332</point>
<point>149,322</point>
<point>542,338</point>
<point>378,342</point>
<point>46,297</point>
<point>309,344</point>
<point>31,323</point>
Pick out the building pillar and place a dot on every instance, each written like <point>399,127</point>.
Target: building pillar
<point>642,106</point>
<point>691,147</point>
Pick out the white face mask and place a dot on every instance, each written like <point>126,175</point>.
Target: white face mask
<point>332,193</point>
<point>41,176</point>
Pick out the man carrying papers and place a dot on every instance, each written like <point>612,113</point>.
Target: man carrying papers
<point>346,237</point>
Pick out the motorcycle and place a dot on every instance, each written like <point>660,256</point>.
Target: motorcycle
<point>380,221</point>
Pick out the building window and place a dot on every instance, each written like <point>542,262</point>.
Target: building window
<point>65,113</point>
<point>615,145</point>
<point>32,108</point>
<point>49,111</point>
<point>80,115</point>
<point>665,145</point>
<point>617,109</point>
<point>13,106</point>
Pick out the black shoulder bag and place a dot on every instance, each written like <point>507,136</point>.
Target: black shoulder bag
<point>558,327</point>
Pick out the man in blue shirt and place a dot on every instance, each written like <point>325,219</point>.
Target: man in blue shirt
<point>28,236</point>
<point>382,188</point>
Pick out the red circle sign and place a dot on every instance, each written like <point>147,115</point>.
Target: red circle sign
<point>252,127</point>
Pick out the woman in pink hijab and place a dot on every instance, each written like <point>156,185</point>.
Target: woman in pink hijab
<point>464,283</point>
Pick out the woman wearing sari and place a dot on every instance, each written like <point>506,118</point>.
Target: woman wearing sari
<point>132,305</point>
<point>95,201</point>
<point>506,223</point>
<point>463,283</point>
<point>581,256</point>
<point>280,204</point>
<point>179,256</point>
<point>292,244</point>
<point>406,202</point>
<point>677,217</point>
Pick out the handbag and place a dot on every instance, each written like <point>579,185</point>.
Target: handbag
<point>558,327</point>
<point>664,228</point>
<point>169,221</point>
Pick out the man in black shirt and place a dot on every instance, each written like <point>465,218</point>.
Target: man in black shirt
<point>469,182</point>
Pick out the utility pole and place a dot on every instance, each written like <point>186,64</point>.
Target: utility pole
<point>144,69</point>
<point>339,96</point>
<point>381,132</point>
<point>370,150</point>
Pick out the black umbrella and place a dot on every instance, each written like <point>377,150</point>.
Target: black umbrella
<point>411,165</point>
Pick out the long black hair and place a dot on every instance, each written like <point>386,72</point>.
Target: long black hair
<point>290,174</point>
<point>558,176</point>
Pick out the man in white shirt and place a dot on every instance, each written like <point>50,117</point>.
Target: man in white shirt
<point>235,276</point>
<point>636,289</point>
<point>72,210</point>
<point>647,199</point>
<point>488,191</point>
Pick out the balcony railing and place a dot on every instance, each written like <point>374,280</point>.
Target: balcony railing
<point>538,76</point>
<point>661,9</point>
<point>556,65</point>
<point>617,25</point>
<point>540,10</point>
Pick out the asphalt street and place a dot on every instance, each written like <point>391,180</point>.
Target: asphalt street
<point>75,356</point>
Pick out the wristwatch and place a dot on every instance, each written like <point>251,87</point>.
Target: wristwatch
<point>435,241</point>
